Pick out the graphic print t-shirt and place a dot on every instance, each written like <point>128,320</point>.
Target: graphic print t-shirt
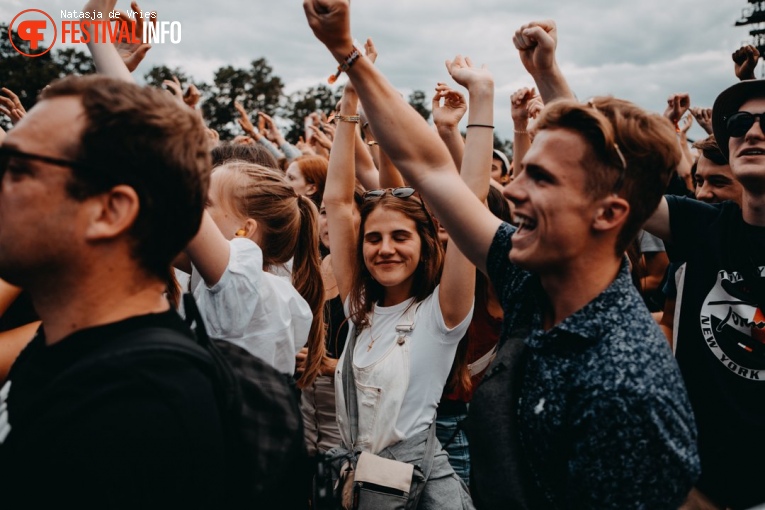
<point>721,344</point>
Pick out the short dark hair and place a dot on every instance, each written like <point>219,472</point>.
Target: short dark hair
<point>142,137</point>
<point>709,148</point>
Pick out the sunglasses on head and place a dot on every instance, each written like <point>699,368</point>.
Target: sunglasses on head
<point>404,192</point>
<point>740,123</point>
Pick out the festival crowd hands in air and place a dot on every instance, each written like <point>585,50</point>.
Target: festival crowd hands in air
<point>390,146</point>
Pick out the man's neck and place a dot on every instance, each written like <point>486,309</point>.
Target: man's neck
<point>96,303</point>
<point>753,208</point>
<point>570,290</point>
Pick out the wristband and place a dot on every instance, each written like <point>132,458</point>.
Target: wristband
<point>345,65</point>
<point>480,125</point>
<point>348,118</point>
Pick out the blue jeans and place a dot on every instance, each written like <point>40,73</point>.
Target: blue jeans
<point>459,456</point>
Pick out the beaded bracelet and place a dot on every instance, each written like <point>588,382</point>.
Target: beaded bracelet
<point>348,118</point>
<point>345,65</point>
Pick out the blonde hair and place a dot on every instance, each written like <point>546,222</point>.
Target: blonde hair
<point>288,224</point>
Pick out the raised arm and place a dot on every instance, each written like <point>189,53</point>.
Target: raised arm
<point>338,195</point>
<point>447,117</point>
<point>520,113</point>
<point>658,223</point>
<point>366,170</point>
<point>704,117</point>
<point>209,251</point>
<point>108,59</point>
<point>536,42</point>
<point>458,278</point>
<point>677,106</point>
<point>411,144</point>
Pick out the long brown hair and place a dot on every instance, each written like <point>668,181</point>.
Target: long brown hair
<point>365,291</point>
<point>289,230</point>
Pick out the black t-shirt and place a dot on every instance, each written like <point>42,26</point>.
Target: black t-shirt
<point>138,430</point>
<point>721,344</point>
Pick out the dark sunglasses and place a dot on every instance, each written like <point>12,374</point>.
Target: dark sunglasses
<point>740,123</point>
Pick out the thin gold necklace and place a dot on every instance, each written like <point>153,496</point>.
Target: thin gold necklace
<point>371,324</point>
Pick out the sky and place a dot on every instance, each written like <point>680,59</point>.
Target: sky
<point>641,51</point>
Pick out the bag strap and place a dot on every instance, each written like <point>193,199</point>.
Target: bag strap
<point>483,362</point>
<point>142,340</point>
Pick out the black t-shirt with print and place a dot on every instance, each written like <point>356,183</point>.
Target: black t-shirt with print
<point>721,344</point>
<point>138,430</point>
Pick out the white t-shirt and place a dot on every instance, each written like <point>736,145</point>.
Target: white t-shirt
<point>432,347</point>
<point>253,309</point>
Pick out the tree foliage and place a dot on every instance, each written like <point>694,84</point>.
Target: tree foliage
<point>302,103</point>
<point>28,76</point>
<point>419,101</point>
<point>256,87</point>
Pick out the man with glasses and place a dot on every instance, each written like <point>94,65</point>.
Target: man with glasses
<point>720,344</point>
<point>103,184</point>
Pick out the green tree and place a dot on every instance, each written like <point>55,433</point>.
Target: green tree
<point>419,102</point>
<point>304,102</point>
<point>256,88</point>
<point>158,74</point>
<point>505,146</point>
<point>27,76</point>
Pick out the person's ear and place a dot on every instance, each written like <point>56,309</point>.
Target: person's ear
<point>310,189</point>
<point>249,230</point>
<point>112,213</point>
<point>611,213</point>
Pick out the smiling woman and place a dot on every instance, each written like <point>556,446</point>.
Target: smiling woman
<point>408,303</point>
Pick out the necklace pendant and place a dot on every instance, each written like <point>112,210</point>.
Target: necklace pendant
<point>400,340</point>
<point>369,347</point>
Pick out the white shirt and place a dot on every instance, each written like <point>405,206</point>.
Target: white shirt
<point>413,373</point>
<point>253,309</point>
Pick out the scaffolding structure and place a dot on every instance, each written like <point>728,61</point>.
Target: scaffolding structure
<point>755,15</point>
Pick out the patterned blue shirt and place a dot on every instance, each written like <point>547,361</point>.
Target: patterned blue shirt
<point>603,416</point>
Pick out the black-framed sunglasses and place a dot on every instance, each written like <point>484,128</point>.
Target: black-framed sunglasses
<point>7,153</point>
<point>740,123</point>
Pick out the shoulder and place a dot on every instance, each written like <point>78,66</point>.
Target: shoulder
<point>505,276</point>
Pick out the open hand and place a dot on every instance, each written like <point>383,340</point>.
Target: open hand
<point>454,107</point>
<point>461,69</point>
<point>704,117</point>
<point>133,53</point>
<point>370,50</point>
<point>677,105</point>
<point>11,106</point>
<point>520,103</point>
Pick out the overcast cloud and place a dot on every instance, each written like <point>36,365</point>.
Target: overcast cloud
<point>637,50</point>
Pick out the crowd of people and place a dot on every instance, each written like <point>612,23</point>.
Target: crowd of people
<point>579,326</point>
